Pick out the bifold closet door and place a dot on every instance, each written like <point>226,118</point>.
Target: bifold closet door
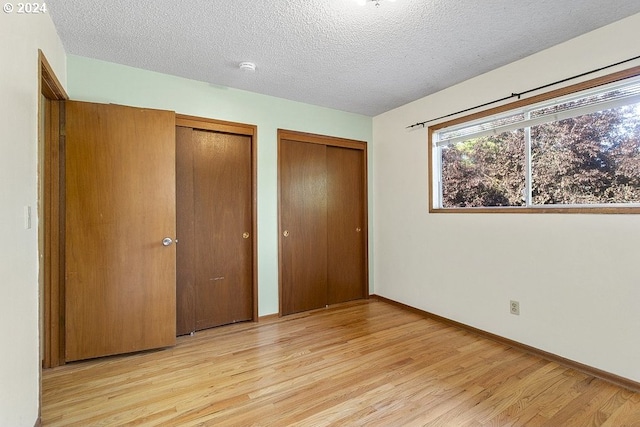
<point>214,224</point>
<point>119,206</point>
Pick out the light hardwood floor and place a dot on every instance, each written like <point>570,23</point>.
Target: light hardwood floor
<point>365,363</point>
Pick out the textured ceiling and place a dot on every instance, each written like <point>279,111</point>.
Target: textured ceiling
<point>332,53</point>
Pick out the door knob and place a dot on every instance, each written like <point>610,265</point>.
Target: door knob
<point>245,235</point>
<point>167,241</point>
<point>286,233</point>
<point>358,229</point>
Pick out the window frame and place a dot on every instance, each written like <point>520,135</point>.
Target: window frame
<point>435,163</point>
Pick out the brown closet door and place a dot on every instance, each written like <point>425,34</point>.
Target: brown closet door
<point>120,204</point>
<point>185,224</point>
<point>303,226</point>
<point>214,223</point>
<point>346,272</point>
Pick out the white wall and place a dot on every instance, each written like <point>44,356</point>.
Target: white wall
<point>104,82</point>
<point>20,38</point>
<point>576,276</point>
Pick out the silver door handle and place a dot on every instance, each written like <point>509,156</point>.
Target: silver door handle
<point>167,241</point>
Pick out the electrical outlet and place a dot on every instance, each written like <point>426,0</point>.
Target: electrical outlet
<point>514,307</point>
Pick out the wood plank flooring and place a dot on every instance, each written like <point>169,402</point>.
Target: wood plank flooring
<point>365,363</point>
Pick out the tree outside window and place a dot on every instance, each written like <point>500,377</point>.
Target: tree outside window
<point>590,159</point>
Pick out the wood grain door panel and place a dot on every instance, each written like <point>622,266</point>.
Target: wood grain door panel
<point>346,230</point>
<point>303,218</point>
<point>215,222</point>
<point>120,204</point>
<point>185,249</point>
<point>323,221</point>
<point>222,214</point>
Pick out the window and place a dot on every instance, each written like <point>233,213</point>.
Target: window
<point>571,150</point>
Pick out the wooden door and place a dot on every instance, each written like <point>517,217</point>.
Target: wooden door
<point>120,204</point>
<point>323,221</point>
<point>303,226</point>
<point>185,232</point>
<point>215,214</point>
<point>346,230</point>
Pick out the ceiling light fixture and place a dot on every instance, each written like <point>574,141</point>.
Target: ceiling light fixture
<point>247,66</point>
<point>376,2</point>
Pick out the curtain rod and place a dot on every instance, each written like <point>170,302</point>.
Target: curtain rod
<point>518,95</point>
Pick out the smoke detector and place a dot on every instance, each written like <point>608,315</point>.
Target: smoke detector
<point>247,66</point>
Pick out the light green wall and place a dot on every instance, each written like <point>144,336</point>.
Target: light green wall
<point>104,82</point>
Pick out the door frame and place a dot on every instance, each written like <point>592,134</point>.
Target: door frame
<point>51,213</point>
<point>234,128</point>
<point>291,135</point>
